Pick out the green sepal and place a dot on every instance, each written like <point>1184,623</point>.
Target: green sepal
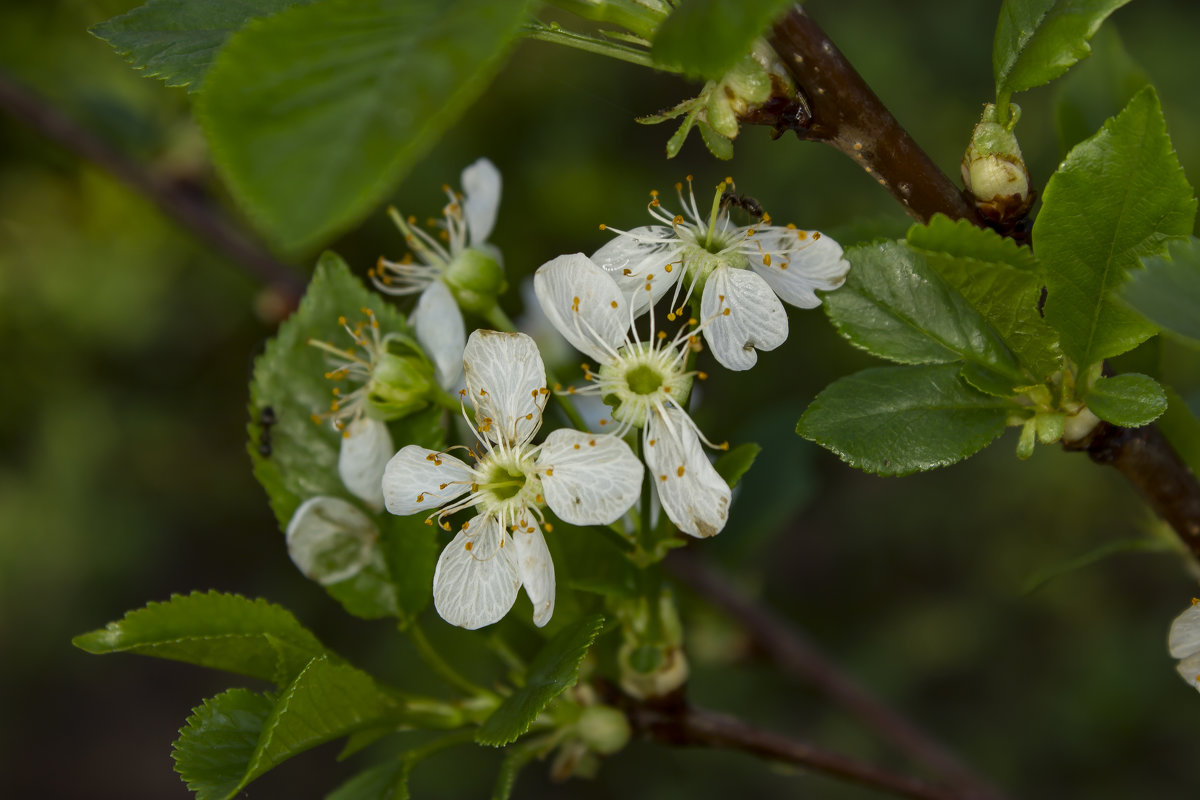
<point>735,463</point>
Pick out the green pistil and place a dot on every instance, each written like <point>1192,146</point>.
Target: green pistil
<point>712,217</point>
<point>505,484</point>
<point>643,380</point>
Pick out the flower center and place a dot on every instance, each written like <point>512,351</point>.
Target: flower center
<point>507,483</point>
<point>641,378</point>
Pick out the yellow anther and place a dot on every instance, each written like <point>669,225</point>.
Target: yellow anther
<point>603,227</point>
<point>614,304</point>
<point>679,471</point>
<point>468,546</point>
<point>766,259</point>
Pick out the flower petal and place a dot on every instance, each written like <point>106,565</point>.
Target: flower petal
<point>481,199</point>
<point>638,255</point>
<point>506,381</point>
<point>330,540</point>
<point>536,569</point>
<point>1184,639</point>
<point>438,323</point>
<point>800,264</point>
<point>756,318</point>
<point>366,449</point>
<point>589,479</point>
<point>418,479</point>
<point>475,582</point>
<point>1189,670</point>
<point>694,496</point>
<point>583,304</point>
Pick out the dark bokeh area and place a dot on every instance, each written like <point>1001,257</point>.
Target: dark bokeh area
<point>126,345</point>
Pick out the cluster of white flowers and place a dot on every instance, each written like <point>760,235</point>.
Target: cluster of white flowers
<point>645,376</point>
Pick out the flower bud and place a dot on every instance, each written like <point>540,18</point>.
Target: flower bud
<point>603,729</point>
<point>399,384</point>
<point>330,540</point>
<point>994,171</point>
<point>476,279</point>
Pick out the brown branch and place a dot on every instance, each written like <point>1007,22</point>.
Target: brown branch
<point>842,111</point>
<point>195,214</point>
<point>672,721</point>
<point>1147,460</point>
<point>797,655</point>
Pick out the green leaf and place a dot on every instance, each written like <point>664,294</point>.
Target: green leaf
<point>552,671</point>
<point>593,562</point>
<point>219,740</point>
<point>515,760</point>
<point>735,463</point>
<point>1129,400</point>
<point>177,40</point>
<point>897,420</point>
<point>1116,198</point>
<point>895,305</point>
<point>1097,90</point>
<point>1038,40</point>
<point>707,37</point>
<point>289,377</point>
<point>961,239</point>
<point>220,631</point>
<point>387,781</point>
<point>1167,291</point>
<point>999,280</point>
<point>313,114</point>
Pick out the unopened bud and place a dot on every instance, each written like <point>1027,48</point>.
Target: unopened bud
<point>603,729</point>
<point>400,385</point>
<point>476,279</point>
<point>994,171</point>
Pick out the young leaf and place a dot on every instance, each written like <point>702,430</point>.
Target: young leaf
<point>325,702</point>
<point>1038,40</point>
<point>1167,291</point>
<point>898,420</point>
<point>735,463</point>
<point>1129,400</point>
<point>219,631</point>
<point>289,378</point>
<point>895,305</point>
<point>707,37</point>
<point>218,741</point>
<point>314,113</point>
<point>1005,286</point>
<point>1114,199</point>
<point>552,671</point>
<point>177,40</point>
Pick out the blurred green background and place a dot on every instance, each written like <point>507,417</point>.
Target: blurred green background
<point>126,345</point>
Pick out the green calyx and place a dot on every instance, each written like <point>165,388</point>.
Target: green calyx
<point>402,381</point>
<point>476,279</point>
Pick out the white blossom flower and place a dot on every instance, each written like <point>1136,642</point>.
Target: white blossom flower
<point>585,479</point>
<point>394,378</point>
<point>744,271</point>
<point>330,540</point>
<point>455,266</point>
<point>1184,643</point>
<point>646,382</point>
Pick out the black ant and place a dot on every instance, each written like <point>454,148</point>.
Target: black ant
<point>266,418</point>
<point>744,202</point>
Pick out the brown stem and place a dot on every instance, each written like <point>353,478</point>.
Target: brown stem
<point>796,654</point>
<point>1147,460</point>
<point>844,112</point>
<point>673,721</point>
<point>178,202</point>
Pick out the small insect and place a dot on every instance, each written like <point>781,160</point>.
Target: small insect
<point>266,418</point>
<point>744,202</point>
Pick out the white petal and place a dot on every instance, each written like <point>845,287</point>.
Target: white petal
<point>1189,670</point>
<point>799,266</point>
<point>475,582</point>
<point>583,304</point>
<point>592,479</point>
<point>756,318</point>
<point>1184,639</point>
<point>694,496</point>
<point>438,323</point>
<point>506,381</point>
<point>418,479</point>
<point>330,540</point>
<point>366,449</point>
<point>638,255</point>
<point>536,570</point>
<point>481,199</point>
